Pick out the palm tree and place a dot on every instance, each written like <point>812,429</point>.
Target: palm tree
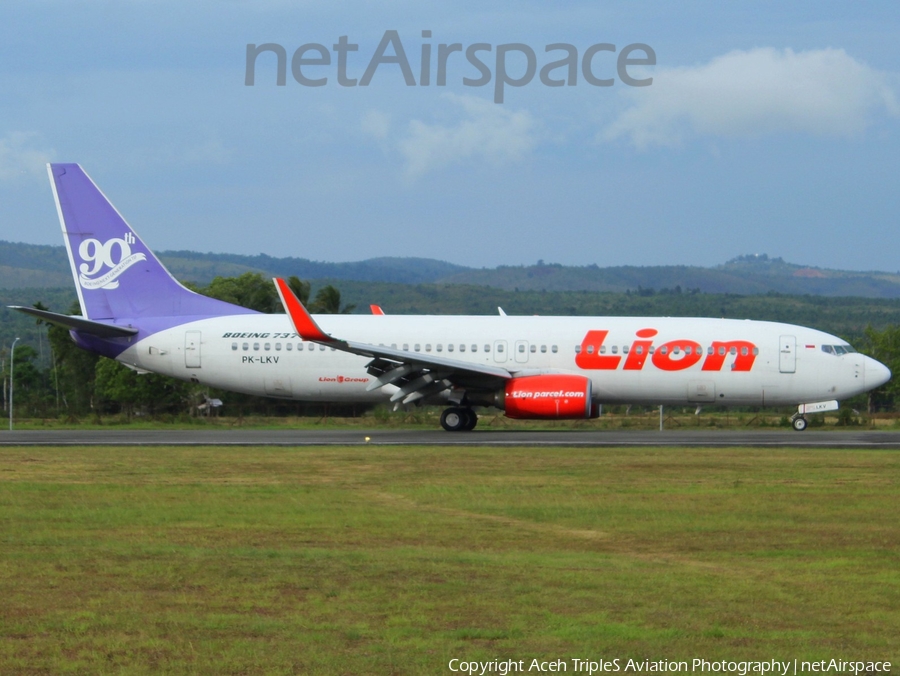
<point>40,306</point>
<point>328,301</point>
<point>300,288</point>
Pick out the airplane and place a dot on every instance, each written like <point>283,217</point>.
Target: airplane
<point>530,367</point>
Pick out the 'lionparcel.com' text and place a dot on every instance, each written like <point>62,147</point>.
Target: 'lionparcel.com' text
<point>738,668</point>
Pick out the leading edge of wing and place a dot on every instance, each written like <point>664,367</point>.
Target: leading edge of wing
<point>308,329</point>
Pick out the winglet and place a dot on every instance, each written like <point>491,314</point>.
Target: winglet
<point>376,310</point>
<point>303,322</point>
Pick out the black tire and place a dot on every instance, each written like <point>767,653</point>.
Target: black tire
<point>454,419</point>
<point>471,419</point>
<point>799,423</point>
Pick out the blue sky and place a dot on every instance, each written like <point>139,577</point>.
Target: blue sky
<point>767,129</point>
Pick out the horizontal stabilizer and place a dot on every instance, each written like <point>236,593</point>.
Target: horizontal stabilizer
<point>98,329</point>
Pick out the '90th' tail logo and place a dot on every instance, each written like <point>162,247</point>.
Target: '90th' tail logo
<point>114,254</point>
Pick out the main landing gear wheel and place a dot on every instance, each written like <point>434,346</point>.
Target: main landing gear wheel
<point>799,423</point>
<point>458,419</point>
<point>454,420</point>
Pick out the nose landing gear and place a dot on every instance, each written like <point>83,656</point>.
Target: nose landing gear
<point>458,419</point>
<point>798,421</point>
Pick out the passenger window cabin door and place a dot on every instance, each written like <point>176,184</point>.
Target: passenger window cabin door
<point>787,354</point>
<point>522,351</point>
<point>192,349</point>
<point>500,351</point>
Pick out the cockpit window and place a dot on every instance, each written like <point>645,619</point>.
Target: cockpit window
<point>838,349</point>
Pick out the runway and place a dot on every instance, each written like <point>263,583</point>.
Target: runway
<point>336,437</point>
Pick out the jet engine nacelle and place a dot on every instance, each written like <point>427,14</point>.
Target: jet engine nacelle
<point>551,396</point>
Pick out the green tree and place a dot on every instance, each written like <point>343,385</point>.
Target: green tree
<point>40,323</point>
<point>30,382</point>
<point>328,301</point>
<point>116,384</point>
<point>250,290</point>
<point>884,345</point>
<point>122,388</point>
<point>75,369</point>
<point>300,288</point>
<point>53,375</point>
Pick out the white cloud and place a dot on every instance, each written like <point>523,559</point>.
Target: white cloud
<point>20,156</point>
<point>376,124</point>
<point>756,92</point>
<point>487,132</point>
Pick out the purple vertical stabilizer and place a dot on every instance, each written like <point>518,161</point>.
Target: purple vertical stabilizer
<point>116,275</point>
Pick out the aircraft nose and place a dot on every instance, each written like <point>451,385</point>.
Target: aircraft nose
<point>876,373</point>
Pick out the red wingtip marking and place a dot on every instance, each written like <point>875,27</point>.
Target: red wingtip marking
<point>304,323</point>
<point>376,310</point>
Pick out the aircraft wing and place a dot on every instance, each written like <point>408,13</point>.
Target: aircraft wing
<point>417,375</point>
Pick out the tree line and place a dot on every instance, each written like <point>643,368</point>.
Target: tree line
<point>67,381</point>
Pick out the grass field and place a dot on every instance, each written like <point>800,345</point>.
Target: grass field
<point>395,560</point>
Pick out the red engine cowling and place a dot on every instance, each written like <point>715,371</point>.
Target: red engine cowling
<point>548,397</point>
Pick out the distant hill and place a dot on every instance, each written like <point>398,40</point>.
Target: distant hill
<point>745,275</point>
<point>205,266</point>
<point>33,266</point>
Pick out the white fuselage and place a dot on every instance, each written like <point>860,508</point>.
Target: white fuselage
<point>705,361</point>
